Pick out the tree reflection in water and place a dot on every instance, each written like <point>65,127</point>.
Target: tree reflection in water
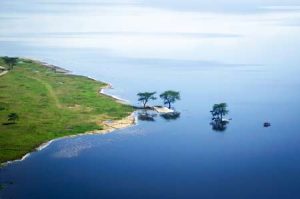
<point>219,125</point>
<point>171,116</point>
<point>147,116</point>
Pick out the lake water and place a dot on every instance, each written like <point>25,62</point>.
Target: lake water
<point>245,54</point>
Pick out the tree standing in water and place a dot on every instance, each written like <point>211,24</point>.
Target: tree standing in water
<point>219,111</point>
<point>170,97</point>
<point>145,97</point>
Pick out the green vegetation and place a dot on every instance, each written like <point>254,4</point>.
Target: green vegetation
<point>10,62</point>
<point>44,105</point>
<point>219,110</point>
<point>145,97</point>
<point>13,117</point>
<point>170,97</point>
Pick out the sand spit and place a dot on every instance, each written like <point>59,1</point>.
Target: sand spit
<point>118,99</point>
<point>160,109</point>
<point>111,125</point>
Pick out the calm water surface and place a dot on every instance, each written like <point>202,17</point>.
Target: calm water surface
<point>248,58</point>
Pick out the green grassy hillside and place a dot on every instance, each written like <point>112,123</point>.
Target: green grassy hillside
<point>49,105</point>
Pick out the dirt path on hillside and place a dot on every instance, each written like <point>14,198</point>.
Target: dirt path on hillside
<point>50,91</point>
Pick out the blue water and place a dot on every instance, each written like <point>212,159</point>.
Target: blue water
<point>245,54</point>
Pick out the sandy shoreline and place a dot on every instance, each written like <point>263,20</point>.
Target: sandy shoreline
<point>118,99</point>
<point>108,125</point>
<point>115,125</point>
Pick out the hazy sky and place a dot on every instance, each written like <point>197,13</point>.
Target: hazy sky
<point>216,30</point>
<point>187,5</point>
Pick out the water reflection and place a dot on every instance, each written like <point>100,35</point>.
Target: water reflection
<point>219,125</point>
<point>146,115</point>
<point>149,115</point>
<point>170,116</point>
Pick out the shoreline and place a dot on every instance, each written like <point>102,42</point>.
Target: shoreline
<point>133,119</point>
<point>109,126</point>
<point>109,86</point>
<point>59,69</point>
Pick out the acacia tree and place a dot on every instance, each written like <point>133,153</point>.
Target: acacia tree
<point>219,110</point>
<point>10,61</point>
<point>170,97</point>
<point>145,97</point>
<point>13,117</point>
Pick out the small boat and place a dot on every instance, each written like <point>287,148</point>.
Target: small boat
<point>267,124</point>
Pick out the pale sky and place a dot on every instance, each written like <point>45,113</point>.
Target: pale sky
<point>168,29</point>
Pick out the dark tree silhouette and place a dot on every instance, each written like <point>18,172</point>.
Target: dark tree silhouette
<point>10,62</point>
<point>171,116</point>
<point>170,97</point>
<point>13,117</point>
<point>219,126</point>
<point>218,111</point>
<point>145,97</point>
<point>146,116</point>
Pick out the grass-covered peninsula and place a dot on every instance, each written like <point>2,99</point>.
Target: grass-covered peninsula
<point>39,103</point>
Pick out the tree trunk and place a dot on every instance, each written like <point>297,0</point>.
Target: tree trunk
<point>169,105</point>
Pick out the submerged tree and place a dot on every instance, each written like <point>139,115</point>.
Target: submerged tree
<point>219,110</point>
<point>10,62</point>
<point>170,97</point>
<point>145,97</point>
<point>13,117</point>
